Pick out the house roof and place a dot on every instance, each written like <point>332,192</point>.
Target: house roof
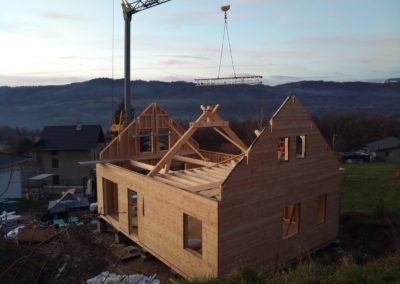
<point>384,144</point>
<point>71,137</point>
<point>205,181</point>
<point>7,159</point>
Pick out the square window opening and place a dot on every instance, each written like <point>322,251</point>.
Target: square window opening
<point>300,147</point>
<point>283,148</point>
<point>192,234</point>
<point>54,163</point>
<point>290,220</point>
<point>163,139</point>
<point>133,211</point>
<point>145,141</point>
<point>110,190</point>
<point>321,209</point>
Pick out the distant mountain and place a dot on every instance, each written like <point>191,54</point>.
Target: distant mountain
<point>91,101</point>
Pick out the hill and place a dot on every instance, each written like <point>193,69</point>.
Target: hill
<point>91,101</point>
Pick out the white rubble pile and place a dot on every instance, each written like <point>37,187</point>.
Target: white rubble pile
<point>112,278</point>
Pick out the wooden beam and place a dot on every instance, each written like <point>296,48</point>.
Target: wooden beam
<point>224,162</point>
<point>184,181</point>
<point>175,148</point>
<point>206,186</point>
<point>202,175</point>
<point>211,192</point>
<point>212,174</point>
<point>244,150</point>
<point>230,133</point>
<point>179,132</point>
<point>209,124</point>
<point>191,177</point>
<point>193,161</point>
<point>168,181</point>
<point>141,165</point>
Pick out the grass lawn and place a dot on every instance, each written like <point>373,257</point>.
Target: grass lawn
<point>370,188</point>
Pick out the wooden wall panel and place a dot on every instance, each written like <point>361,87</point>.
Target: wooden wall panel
<point>161,225</point>
<point>258,189</point>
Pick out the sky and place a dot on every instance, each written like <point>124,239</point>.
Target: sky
<point>55,42</point>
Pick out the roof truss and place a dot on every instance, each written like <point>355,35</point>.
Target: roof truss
<point>209,118</point>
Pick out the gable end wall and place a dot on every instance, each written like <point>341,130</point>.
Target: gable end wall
<point>258,189</point>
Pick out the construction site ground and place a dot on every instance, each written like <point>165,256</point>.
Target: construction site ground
<point>76,253</point>
<point>368,244</point>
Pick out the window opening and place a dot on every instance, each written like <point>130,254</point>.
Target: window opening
<point>283,148</point>
<point>193,235</point>
<point>300,147</point>
<point>54,163</point>
<point>110,190</point>
<point>145,141</point>
<point>163,140</point>
<point>133,211</point>
<point>290,220</point>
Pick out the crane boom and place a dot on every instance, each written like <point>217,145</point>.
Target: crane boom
<point>134,7</point>
<point>129,8</point>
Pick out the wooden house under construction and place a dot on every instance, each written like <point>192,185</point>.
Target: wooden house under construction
<point>203,213</point>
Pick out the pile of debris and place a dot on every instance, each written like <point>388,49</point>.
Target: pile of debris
<point>9,221</point>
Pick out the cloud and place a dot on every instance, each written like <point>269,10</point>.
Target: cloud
<point>35,80</point>
<point>62,16</point>
<point>179,56</point>
<point>347,40</point>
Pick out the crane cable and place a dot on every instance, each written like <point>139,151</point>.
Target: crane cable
<point>112,61</point>
<point>226,31</point>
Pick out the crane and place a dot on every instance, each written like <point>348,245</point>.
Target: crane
<point>129,8</point>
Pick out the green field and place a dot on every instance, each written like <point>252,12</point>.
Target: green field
<point>368,186</point>
<point>369,247</point>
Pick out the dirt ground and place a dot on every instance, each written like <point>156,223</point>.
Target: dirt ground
<point>76,254</point>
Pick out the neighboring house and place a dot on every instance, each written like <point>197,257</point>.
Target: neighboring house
<point>204,213</point>
<point>387,149</point>
<point>10,175</point>
<point>60,148</point>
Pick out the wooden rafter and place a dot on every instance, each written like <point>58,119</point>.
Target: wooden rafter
<point>194,161</point>
<point>180,133</point>
<point>231,134</point>
<point>166,160</point>
<point>238,145</point>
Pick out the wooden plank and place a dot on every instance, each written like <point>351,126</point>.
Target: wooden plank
<point>193,161</point>
<point>202,187</point>
<point>211,192</point>
<point>189,142</point>
<point>203,124</point>
<point>205,173</point>
<point>203,176</point>
<point>183,181</point>
<point>141,165</point>
<point>238,145</point>
<point>191,176</point>
<point>183,140</point>
<point>231,133</point>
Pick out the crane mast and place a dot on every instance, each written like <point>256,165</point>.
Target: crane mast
<point>130,8</point>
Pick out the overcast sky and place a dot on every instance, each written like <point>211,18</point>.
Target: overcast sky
<point>63,41</point>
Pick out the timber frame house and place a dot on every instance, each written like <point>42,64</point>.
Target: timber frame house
<point>203,213</point>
